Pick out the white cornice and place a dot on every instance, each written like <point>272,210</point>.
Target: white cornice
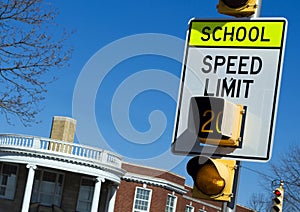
<point>62,165</point>
<point>155,181</point>
<point>152,168</point>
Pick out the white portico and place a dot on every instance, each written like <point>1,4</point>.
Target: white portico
<point>42,174</point>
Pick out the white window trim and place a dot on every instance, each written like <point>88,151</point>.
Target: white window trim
<point>39,192</point>
<point>15,185</point>
<point>149,201</point>
<point>175,201</point>
<point>87,178</point>
<point>192,207</point>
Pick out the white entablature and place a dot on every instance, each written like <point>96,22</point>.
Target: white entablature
<point>60,155</point>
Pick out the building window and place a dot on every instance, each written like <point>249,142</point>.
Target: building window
<point>47,188</point>
<point>85,196</point>
<point>8,180</point>
<point>189,208</point>
<point>202,210</point>
<point>171,203</point>
<point>142,199</point>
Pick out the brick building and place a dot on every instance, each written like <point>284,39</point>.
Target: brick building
<point>145,189</point>
<point>57,175</point>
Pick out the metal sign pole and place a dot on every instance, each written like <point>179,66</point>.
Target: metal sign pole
<point>257,12</point>
<point>231,206</point>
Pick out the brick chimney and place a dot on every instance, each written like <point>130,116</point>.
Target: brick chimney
<point>63,128</point>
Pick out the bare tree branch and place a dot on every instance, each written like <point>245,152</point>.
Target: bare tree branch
<point>31,46</point>
<point>288,170</point>
<point>259,202</point>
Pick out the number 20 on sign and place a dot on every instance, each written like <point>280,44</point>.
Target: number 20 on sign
<point>220,121</point>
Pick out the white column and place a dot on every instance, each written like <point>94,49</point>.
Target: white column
<point>112,200</point>
<point>28,188</point>
<point>96,196</point>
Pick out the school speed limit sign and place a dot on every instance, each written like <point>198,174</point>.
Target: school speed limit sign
<point>239,60</point>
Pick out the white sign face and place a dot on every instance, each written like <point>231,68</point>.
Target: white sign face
<point>240,61</point>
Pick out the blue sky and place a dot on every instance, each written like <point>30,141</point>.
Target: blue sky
<point>111,36</point>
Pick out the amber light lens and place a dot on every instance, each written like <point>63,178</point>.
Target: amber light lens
<point>208,180</point>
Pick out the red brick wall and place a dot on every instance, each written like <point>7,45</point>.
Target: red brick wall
<point>126,193</point>
<point>125,196</point>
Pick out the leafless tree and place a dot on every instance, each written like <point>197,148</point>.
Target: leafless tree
<point>31,45</point>
<point>288,170</point>
<point>259,202</point>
